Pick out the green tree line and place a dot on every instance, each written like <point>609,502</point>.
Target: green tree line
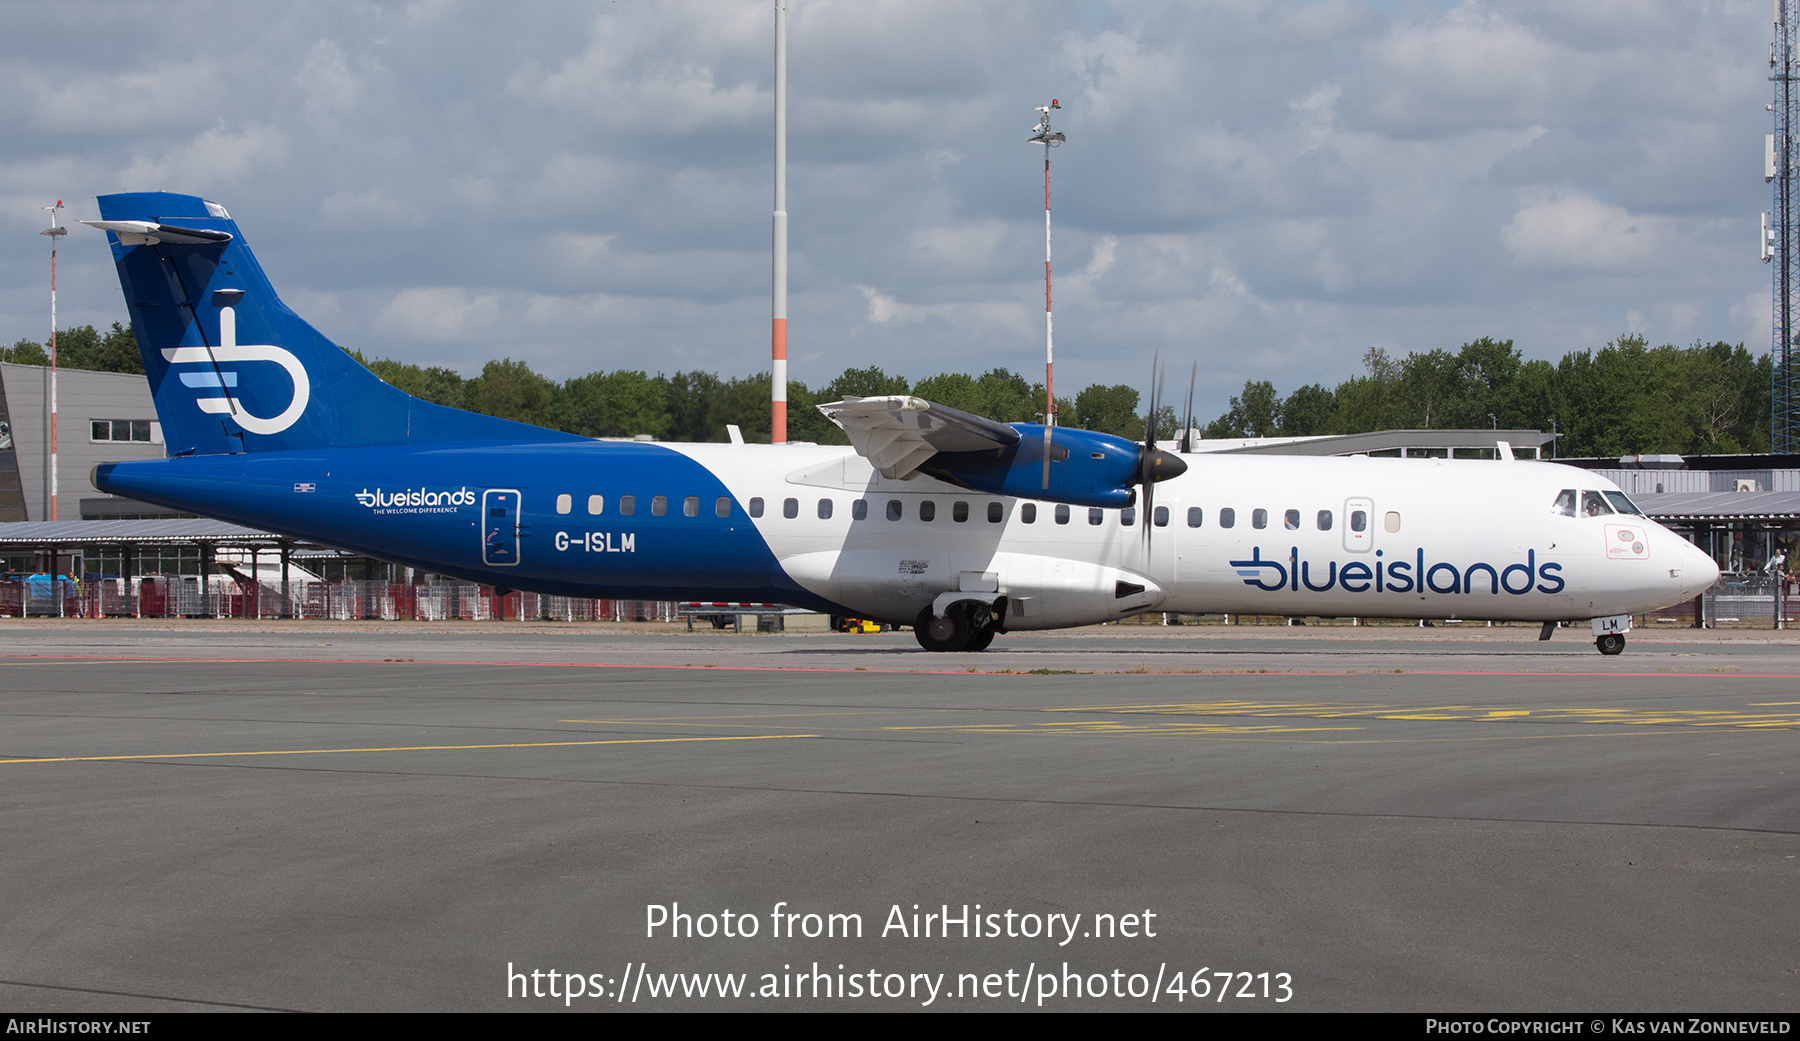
<point>83,347</point>
<point>1625,398</point>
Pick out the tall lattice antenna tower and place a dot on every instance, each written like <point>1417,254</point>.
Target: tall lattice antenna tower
<point>1781,229</point>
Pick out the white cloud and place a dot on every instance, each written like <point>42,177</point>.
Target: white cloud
<point>376,208</point>
<point>163,96</point>
<point>217,157</point>
<point>1271,185</point>
<point>327,80</point>
<point>1574,230</point>
<point>1753,319</point>
<point>440,314</point>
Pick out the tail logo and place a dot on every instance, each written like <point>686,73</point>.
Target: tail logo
<point>216,376</point>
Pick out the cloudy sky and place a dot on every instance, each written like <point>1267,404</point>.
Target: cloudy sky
<point>1265,188</point>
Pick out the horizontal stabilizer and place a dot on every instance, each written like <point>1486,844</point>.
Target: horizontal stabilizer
<point>899,433</point>
<point>149,233</point>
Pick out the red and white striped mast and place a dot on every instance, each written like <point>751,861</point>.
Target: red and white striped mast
<point>1042,134</point>
<point>55,233</point>
<point>778,288</point>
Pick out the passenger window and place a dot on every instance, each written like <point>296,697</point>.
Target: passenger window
<point>959,512</point>
<point>596,505</point>
<point>928,511</point>
<point>756,506</point>
<point>722,506</point>
<point>1291,520</point>
<point>1593,504</point>
<point>1359,521</point>
<point>1195,516</point>
<point>1096,515</point>
<point>627,505</point>
<point>1128,517</point>
<point>1028,513</point>
<point>894,509</point>
<point>565,503</point>
<point>1324,520</point>
<point>1259,519</point>
<point>1227,517</point>
<point>996,513</point>
<point>1391,522</point>
<point>1062,513</point>
<point>824,509</point>
<point>659,505</point>
<point>790,508</point>
<point>690,506</point>
<point>1565,503</point>
<point>859,509</point>
<point>1161,517</point>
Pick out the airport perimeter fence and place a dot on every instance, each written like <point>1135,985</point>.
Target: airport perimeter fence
<point>1741,600</point>
<point>178,596</point>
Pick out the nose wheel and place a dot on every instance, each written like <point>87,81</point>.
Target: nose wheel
<point>1610,643</point>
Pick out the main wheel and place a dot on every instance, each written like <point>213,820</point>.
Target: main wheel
<point>949,633</point>
<point>1611,643</point>
<point>979,641</point>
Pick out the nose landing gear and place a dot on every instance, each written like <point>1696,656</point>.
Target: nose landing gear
<point>1609,633</point>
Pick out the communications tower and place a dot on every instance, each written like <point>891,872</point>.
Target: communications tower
<point>1781,229</point>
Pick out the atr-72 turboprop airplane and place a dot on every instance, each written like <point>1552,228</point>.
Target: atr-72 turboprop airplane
<point>955,524</point>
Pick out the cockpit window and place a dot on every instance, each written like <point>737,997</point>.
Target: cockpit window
<point>1623,504</point>
<point>1593,504</point>
<point>1565,503</point>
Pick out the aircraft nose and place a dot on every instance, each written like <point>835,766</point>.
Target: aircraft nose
<point>1698,571</point>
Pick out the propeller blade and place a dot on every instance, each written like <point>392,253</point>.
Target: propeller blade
<point>1187,416</point>
<point>1148,461</point>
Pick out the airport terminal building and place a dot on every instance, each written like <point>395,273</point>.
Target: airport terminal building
<point>102,417</point>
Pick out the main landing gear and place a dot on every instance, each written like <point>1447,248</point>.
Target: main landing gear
<point>1610,643</point>
<point>967,626</point>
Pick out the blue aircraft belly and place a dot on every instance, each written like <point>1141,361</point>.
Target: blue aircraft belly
<point>425,506</point>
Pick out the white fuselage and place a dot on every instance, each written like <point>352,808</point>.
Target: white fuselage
<point>1307,536</point>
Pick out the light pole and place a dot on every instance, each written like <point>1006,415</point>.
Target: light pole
<point>55,233</point>
<point>1042,134</point>
<point>778,288</point>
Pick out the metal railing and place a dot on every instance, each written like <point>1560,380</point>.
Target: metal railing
<point>178,596</point>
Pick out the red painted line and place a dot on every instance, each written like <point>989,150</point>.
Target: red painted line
<point>4,659</point>
<point>1337,673</point>
<point>1625,675</point>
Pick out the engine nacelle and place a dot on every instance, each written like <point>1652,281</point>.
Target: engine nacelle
<point>1086,468</point>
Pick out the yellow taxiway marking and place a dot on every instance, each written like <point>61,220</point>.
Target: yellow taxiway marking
<point>1461,713</point>
<point>752,717</point>
<point>1122,729</point>
<point>406,748</point>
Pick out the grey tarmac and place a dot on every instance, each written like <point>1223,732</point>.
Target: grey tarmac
<point>213,815</point>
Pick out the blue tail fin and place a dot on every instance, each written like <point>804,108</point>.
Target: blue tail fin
<point>231,368</point>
